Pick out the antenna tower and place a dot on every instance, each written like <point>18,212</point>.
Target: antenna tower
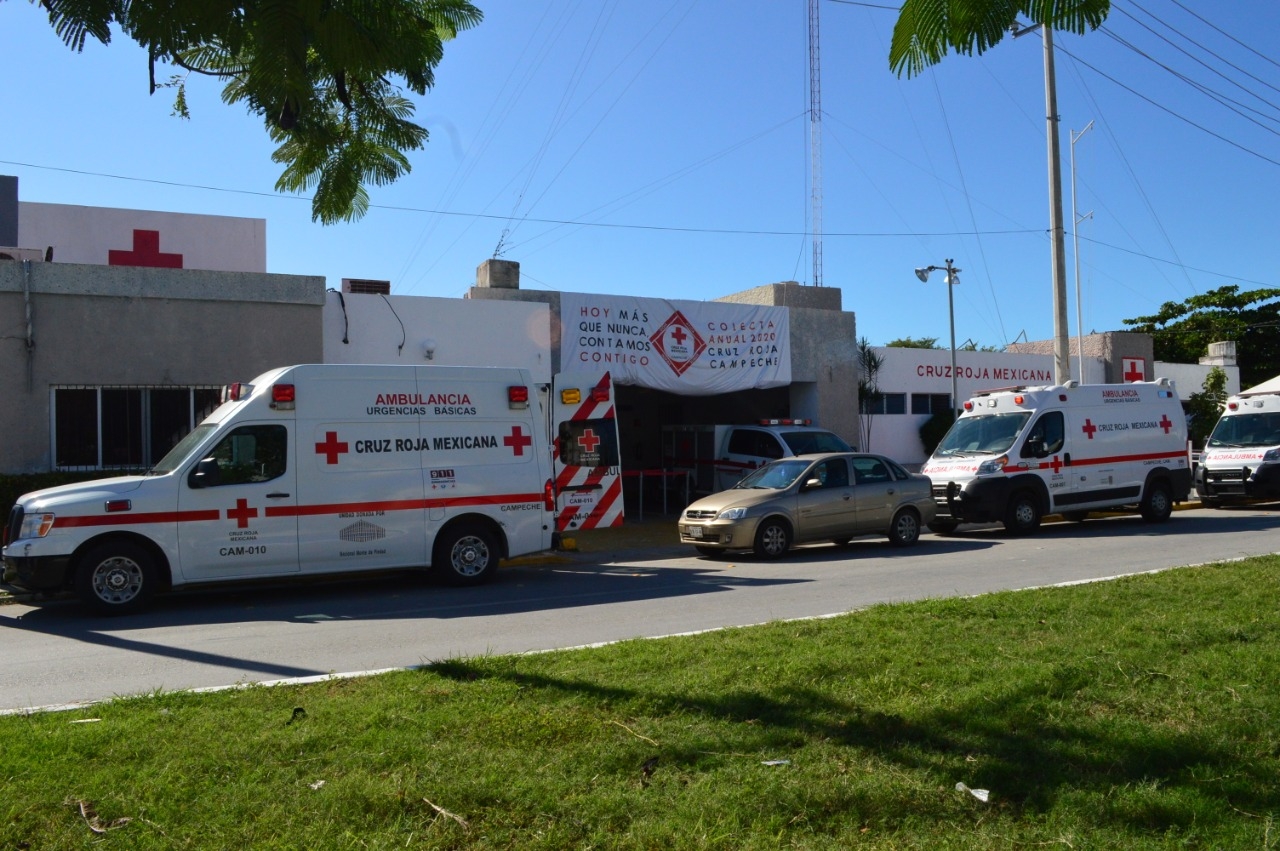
<point>815,139</point>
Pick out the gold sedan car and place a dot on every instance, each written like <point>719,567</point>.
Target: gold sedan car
<point>822,497</point>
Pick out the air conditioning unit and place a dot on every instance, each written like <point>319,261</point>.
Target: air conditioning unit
<point>33,254</point>
<point>361,285</point>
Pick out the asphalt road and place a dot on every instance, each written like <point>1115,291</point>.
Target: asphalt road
<point>55,654</point>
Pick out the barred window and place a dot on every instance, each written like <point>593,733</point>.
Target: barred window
<point>930,403</point>
<point>130,427</point>
<point>886,403</point>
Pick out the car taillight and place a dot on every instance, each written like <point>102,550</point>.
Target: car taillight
<point>548,496</point>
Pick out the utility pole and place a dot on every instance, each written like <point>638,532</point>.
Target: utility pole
<point>1058,249</point>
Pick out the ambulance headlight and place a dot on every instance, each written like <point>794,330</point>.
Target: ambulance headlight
<point>1272,456</point>
<point>733,513</point>
<point>35,526</point>
<point>993,466</point>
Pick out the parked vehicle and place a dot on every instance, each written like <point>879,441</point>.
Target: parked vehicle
<point>815,497</point>
<point>717,456</point>
<point>1016,454</point>
<point>1241,458</point>
<point>320,469</point>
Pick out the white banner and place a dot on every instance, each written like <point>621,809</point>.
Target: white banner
<point>686,347</point>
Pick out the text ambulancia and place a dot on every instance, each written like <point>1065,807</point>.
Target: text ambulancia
<point>309,470</point>
<point>1241,458</point>
<point>1015,455</point>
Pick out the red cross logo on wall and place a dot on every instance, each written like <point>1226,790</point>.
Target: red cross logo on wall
<point>678,343</point>
<point>145,252</point>
<point>331,448</point>
<point>1166,423</point>
<point>1135,369</point>
<point>1089,428</point>
<point>517,440</point>
<point>242,513</point>
<point>588,441</point>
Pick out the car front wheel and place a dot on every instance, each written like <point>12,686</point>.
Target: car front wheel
<point>116,578</point>
<point>773,539</point>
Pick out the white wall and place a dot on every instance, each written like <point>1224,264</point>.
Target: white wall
<point>1189,377</point>
<point>89,234</point>
<point>464,332</point>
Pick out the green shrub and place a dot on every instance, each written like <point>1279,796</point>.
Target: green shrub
<point>934,429</point>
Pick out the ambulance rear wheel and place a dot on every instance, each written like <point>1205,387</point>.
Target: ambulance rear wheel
<point>1157,504</point>
<point>116,578</point>
<point>1022,515</point>
<point>466,555</point>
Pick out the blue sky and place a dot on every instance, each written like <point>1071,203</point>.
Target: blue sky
<point>660,148</point>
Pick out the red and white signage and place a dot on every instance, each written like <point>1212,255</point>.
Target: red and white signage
<point>685,347</point>
<point>1133,369</point>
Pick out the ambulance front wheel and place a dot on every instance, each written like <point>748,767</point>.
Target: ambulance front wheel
<point>466,555</point>
<point>1022,515</point>
<point>116,578</point>
<point>1157,503</point>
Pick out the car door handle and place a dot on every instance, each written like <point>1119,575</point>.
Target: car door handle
<point>277,495</point>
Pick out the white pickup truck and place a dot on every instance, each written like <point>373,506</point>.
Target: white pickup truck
<point>717,456</point>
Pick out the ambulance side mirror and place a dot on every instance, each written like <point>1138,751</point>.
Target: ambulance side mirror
<point>206,474</point>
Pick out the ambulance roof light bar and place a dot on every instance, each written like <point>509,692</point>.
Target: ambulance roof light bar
<point>785,422</point>
<point>237,392</point>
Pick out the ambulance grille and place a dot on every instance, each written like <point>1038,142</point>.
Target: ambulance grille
<point>15,524</point>
<point>1226,481</point>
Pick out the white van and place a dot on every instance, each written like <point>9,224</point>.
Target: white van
<point>1017,454</point>
<point>1241,458</point>
<point>308,470</point>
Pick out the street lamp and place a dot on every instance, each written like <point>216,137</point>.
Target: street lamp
<point>953,278</point>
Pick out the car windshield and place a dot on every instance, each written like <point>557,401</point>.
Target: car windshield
<point>1260,429</point>
<point>807,442</point>
<point>178,454</point>
<point>777,475</point>
<point>985,434</point>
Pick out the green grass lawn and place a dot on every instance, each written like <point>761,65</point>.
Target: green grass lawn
<point>1141,713</point>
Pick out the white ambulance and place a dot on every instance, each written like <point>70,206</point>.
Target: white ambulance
<point>1016,454</point>
<point>1241,458</point>
<point>309,470</point>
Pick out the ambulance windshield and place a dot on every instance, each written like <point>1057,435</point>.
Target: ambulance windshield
<point>173,460</point>
<point>1260,429</point>
<point>985,434</point>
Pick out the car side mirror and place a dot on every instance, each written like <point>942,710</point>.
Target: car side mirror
<point>206,474</point>
<point>812,484</point>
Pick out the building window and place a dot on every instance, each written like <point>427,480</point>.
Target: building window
<point>888,403</point>
<point>101,428</point>
<point>930,403</point>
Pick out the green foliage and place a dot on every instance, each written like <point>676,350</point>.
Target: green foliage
<point>319,73</point>
<point>1182,331</point>
<point>934,429</point>
<point>1137,714</point>
<point>1204,407</point>
<point>869,395</point>
<point>914,343</point>
<point>926,30</point>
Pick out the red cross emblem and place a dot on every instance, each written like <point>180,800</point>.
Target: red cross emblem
<point>517,440</point>
<point>588,441</point>
<point>331,448</point>
<point>242,513</point>
<point>145,252</point>
<point>1089,428</point>
<point>1056,465</point>
<point>678,334</point>
<point>1133,370</point>
<point>1166,423</point>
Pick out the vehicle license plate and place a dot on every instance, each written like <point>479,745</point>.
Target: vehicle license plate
<point>693,531</point>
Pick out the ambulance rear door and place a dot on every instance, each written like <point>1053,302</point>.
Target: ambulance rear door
<point>584,431</point>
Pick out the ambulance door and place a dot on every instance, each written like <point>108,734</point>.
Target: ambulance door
<point>584,431</point>
<point>237,506</point>
<point>1044,450</point>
